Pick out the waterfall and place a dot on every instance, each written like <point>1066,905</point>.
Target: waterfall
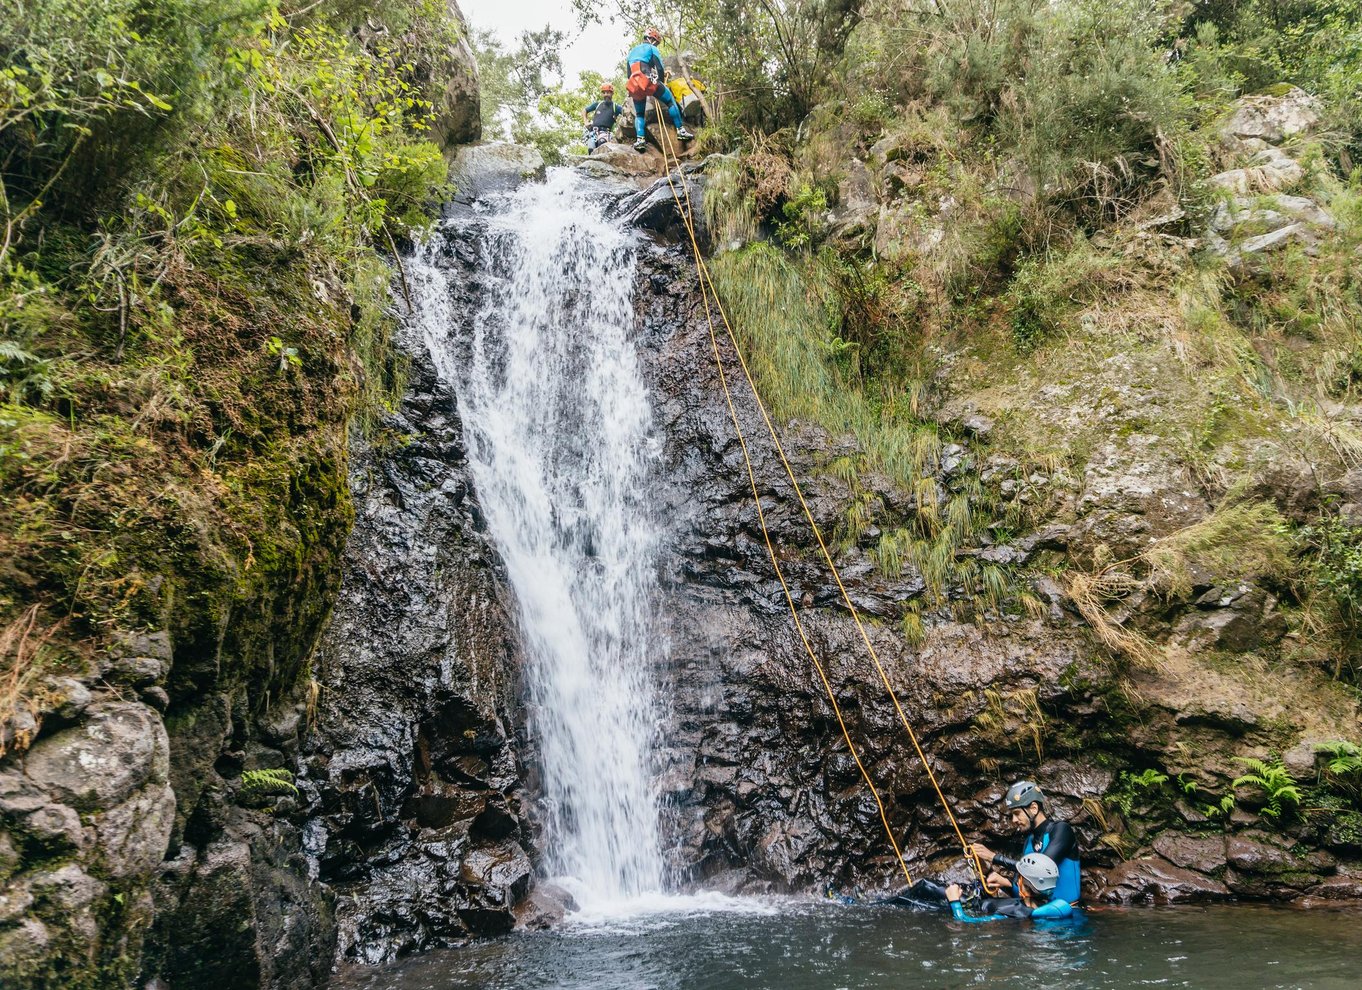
<point>558,428</point>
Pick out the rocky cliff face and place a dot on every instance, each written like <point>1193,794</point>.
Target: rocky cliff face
<point>762,793</point>
<point>419,817</point>
<point>151,834</point>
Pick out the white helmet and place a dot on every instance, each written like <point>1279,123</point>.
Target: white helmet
<point>1039,870</point>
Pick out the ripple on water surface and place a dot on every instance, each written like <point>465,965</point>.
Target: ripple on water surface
<point>709,942</point>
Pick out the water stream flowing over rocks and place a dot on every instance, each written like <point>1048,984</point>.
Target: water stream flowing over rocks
<point>560,649</point>
<point>558,428</point>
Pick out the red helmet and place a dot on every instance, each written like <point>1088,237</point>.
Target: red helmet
<point>652,36</point>
<point>607,88</point>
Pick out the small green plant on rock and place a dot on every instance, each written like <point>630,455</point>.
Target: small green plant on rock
<point>1274,780</point>
<point>1219,810</point>
<point>1337,580</point>
<point>1342,771</point>
<point>1131,787</point>
<point>269,780</point>
<point>803,217</point>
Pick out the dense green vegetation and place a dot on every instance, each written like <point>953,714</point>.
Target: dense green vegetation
<point>1039,168</point>
<point>194,305</point>
<point>524,99</point>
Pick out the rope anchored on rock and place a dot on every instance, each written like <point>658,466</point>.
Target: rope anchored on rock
<point>709,292</point>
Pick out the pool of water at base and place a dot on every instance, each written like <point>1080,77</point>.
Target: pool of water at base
<point>791,944</point>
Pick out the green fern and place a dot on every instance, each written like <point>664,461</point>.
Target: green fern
<point>1274,780</point>
<point>1344,757</point>
<point>1343,770</point>
<point>1129,787</point>
<point>1221,809</point>
<point>270,780</point>
<point>23,374</point>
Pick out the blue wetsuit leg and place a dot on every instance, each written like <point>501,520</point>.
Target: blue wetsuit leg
<point>664,96</point>
<point>640,117</point>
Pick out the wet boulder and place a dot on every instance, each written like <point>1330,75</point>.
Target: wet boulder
<point>1263,865</point>
<point>1154,880</point>
<point>1201,854</point>
<point>546,906</point>
<point>482,170</point>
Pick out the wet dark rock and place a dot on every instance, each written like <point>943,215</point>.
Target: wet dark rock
<point>544,908</point>
<point>766,797</point>
<point>1202,854</point>
<point>1346,886</point>
<point>1154,880</point>
<point>413,774</point>
<point>655,208</point>
<point>1266,854</point>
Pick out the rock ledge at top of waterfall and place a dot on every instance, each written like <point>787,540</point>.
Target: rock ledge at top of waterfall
<point>481,170</point>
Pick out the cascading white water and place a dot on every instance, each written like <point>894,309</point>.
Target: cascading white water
<point>558,429</point>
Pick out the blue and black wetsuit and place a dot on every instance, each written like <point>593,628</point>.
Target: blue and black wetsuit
<point>1003,908</point>
<point>603,116</point>
<point>1057,840</point>
<point>650,59</point>
<point>603,113</point>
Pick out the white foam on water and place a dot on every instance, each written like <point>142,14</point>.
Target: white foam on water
<point>629,913</point>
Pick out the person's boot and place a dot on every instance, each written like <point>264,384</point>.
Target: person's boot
<point>641,145</point>
<point>684,134</point>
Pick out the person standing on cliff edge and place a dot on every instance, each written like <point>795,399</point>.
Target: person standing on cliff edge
<point>647,78</point>
<point>600,118</point>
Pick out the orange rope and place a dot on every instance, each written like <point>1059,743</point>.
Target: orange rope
<point>770,547</point>
<point>707,288</point>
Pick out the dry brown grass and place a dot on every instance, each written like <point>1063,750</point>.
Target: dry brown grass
<point>1092,594</point>
<point>1016,717</point>
<point>1109,828</point>
<point>23,648</point>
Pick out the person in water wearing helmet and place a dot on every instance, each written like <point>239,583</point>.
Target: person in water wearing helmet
<point>648,78</point>
<point>1037,876</point>
<point>1025,803</point>
<point>600,118</point>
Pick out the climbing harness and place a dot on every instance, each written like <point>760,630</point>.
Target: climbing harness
<point>708,289</point>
